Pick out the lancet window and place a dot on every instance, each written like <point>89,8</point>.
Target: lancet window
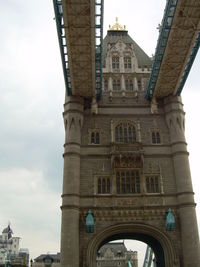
<point>116,85</point>
<point>152,184</point>
<point>103,185</point>
<point>105,85</point>
<point>95,137</point>
<point>115,62</point>
<point>125,133</point>
<point>129,85</point>
<point>127,62</point>
<point>139,84</point>
<point>128,181</point>
<point>155,136</point>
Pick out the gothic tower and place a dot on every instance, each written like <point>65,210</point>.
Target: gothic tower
<point>126,169</point>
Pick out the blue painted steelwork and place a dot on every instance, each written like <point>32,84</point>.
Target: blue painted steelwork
<point>189,64</point>
<point>148,257</point>
<point>129,264</point>
<point>62,43</point>
<point>99,4</point>
<point>161,45</point>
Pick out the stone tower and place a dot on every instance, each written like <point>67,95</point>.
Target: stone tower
<point>126,164</point>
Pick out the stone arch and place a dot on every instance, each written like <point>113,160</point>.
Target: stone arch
<point>158,240</point>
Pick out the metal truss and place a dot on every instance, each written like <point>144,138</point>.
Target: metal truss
<point>161,45</point>
<point>80,32</point>
<point>99,4</point>
<point>189,64</point>
<point>176,50</point>
<point>62,43</point>
<point>148,257</point>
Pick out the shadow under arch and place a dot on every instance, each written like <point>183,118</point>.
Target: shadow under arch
<point>157,240</point>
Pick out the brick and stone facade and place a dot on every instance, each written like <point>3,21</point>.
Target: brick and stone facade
<point>126,160</point>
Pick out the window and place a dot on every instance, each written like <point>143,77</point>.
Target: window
<point>152,184</point>
<point>103,185</point>
<point>127,62</point>
<point>105,85</point>
<point>128,181</point>
<point>95,137</point>
<point>139,84</point>
<point>115,62</point>
<point>116,85</point>
<point>125,133</point>
<point>129,85</point>
<point>155,137</point>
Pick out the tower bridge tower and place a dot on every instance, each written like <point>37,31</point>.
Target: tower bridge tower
<point>126,164</point>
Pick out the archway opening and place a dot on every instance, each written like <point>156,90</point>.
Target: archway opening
<point>130,249</point>
<point>128,252</point>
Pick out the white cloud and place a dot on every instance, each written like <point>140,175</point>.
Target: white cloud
<point>32,95</point>
<point>32,208</point>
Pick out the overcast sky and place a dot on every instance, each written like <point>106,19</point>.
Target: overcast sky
<point>31,105</point>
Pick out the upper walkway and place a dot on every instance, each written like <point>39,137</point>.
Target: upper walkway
<point>177,47</point>
<point>80,23</point>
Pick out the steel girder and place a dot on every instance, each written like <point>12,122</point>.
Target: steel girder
<point>80,31</point>
<point>176,49</point>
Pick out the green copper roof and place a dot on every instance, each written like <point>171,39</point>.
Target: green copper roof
<point>114,36</point>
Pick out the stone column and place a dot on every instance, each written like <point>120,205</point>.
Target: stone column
<point>135,84</point>
<point>123,87</point>
<point>73,119</point>
<point>188,223</point>
<point>110,87</point>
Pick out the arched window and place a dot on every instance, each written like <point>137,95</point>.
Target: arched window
<point>129,85</point>
<point>125,133</point>
<point>155,137</point>
<point>127,62</point>
<point>103,185</point>
<point>115,62</point>
<point>105,85</point>
<point>99,186</point>
<point>116,85</point>
<point>95,137</point>
<point>128,182</point>
<point>139,84</point>
<point>108,185</point>
<point>152,184</point>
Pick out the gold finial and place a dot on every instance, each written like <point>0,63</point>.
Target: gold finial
<point>117,26</point>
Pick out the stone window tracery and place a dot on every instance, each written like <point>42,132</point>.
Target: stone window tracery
<point>152,184</point>
<point>127,63</point>
<point>103,185</point>
<point>95,137</point>
<point>129,85</point>
<point>116,85</point>
<point>105,85</point>
<point>139,84</point>
<point>115,62</point>
<point>128,181</point>
<point>125,133</point>
<point>155,137</point>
